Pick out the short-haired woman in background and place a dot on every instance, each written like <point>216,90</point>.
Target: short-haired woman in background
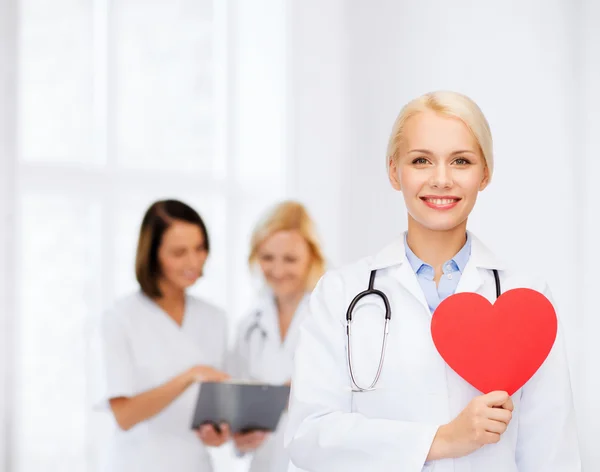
<point>157,344</point>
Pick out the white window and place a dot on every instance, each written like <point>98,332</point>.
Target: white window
<point>120,103</point>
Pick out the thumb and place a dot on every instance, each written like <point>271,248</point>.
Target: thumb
<point>496,398</point>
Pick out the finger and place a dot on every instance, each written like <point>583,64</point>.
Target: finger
<point>508,404</point>
<point>496,398</point>
<point>219,375</point>
<point>225,431</point>
<point>499,414</point>
<point>249,445</point>
<point>209,436</point>
<point>249,437</point>
<point>205,428</point>
<point>255,437</point>
<point>493,426</point>
<point>207,439</point>
<point>206,432</point>
<point>213,440</point>
<point>215,433</point>
<point>243,438</point>
<point>257,442</point>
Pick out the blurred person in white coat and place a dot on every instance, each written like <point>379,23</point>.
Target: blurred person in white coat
<point>157,345</point>
<point>286,253</point>
<point>360,404</point>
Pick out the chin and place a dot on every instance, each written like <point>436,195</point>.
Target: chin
<point>440,224</point>
<point>284,291</point>
<point>187,284</point>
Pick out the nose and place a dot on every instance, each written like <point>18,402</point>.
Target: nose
<point>441,177</point>
<point>194,260</point>
<point>277,270</point>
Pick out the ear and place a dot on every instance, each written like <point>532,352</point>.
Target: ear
<point>393,174</point>
<point>486,178</point>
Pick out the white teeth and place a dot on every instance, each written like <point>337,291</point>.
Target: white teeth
<point>441,201</point>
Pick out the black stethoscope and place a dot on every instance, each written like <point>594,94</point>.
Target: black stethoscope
<point>388,317</point>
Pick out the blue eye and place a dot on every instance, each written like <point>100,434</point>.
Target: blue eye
<point>461,161</point>
<point>420,160</point>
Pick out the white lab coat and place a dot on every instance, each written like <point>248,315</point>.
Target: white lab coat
<point>262,357</point>
<point>140,348</point>
<point>331,428</point>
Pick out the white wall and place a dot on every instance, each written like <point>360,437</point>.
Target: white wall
<point>7,215</point>
<point>317,127</point>
<point>520,61</point>
<point>588,163</point>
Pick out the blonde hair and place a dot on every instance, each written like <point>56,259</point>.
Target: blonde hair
<point>290,216</point>
<point>452,104</point>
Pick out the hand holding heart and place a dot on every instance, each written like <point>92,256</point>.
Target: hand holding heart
<point>482,422</point>
<point>497,349</point>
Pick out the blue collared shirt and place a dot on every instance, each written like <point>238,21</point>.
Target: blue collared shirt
<point>453,269</point>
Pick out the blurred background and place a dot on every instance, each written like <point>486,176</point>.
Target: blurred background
<point>231,105</point>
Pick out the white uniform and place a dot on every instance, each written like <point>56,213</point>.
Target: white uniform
<point>391,428</point>
<point>260,355</point>
<point>141,348</point>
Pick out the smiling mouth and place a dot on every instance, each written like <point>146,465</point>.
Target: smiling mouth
<point>440,203</point>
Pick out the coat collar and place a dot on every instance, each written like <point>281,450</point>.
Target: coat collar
<point>395,254</point>
<point>394,257</point>
<point>266,314</point>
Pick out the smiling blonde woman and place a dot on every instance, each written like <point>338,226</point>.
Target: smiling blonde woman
<point>413,412</point>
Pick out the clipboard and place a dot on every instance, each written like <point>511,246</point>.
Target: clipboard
<point>243,406</point>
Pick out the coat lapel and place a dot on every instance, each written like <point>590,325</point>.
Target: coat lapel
<point>393,258</point>
<point>481,259</point>
<point>470,280</point>
<point>408,279</point>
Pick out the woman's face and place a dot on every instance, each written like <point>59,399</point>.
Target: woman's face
<point>285,260</point>
<point>440,171</point>
<point>182,254</point>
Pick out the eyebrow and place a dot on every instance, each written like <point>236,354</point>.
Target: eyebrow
<point>425,151</point>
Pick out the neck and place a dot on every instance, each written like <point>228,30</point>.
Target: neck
<point>172,300</point>
<point>435,247</point>
<point>288,304</point>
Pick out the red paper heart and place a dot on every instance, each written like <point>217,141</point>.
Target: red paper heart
<point>499,346</point>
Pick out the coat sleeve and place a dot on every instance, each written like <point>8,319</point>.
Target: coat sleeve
<point>547,438</point>
<point>323,433</point>
<point>113,368</point>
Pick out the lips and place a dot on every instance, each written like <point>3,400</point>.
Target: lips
<point>436,202</point>
<point>190,274</point>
